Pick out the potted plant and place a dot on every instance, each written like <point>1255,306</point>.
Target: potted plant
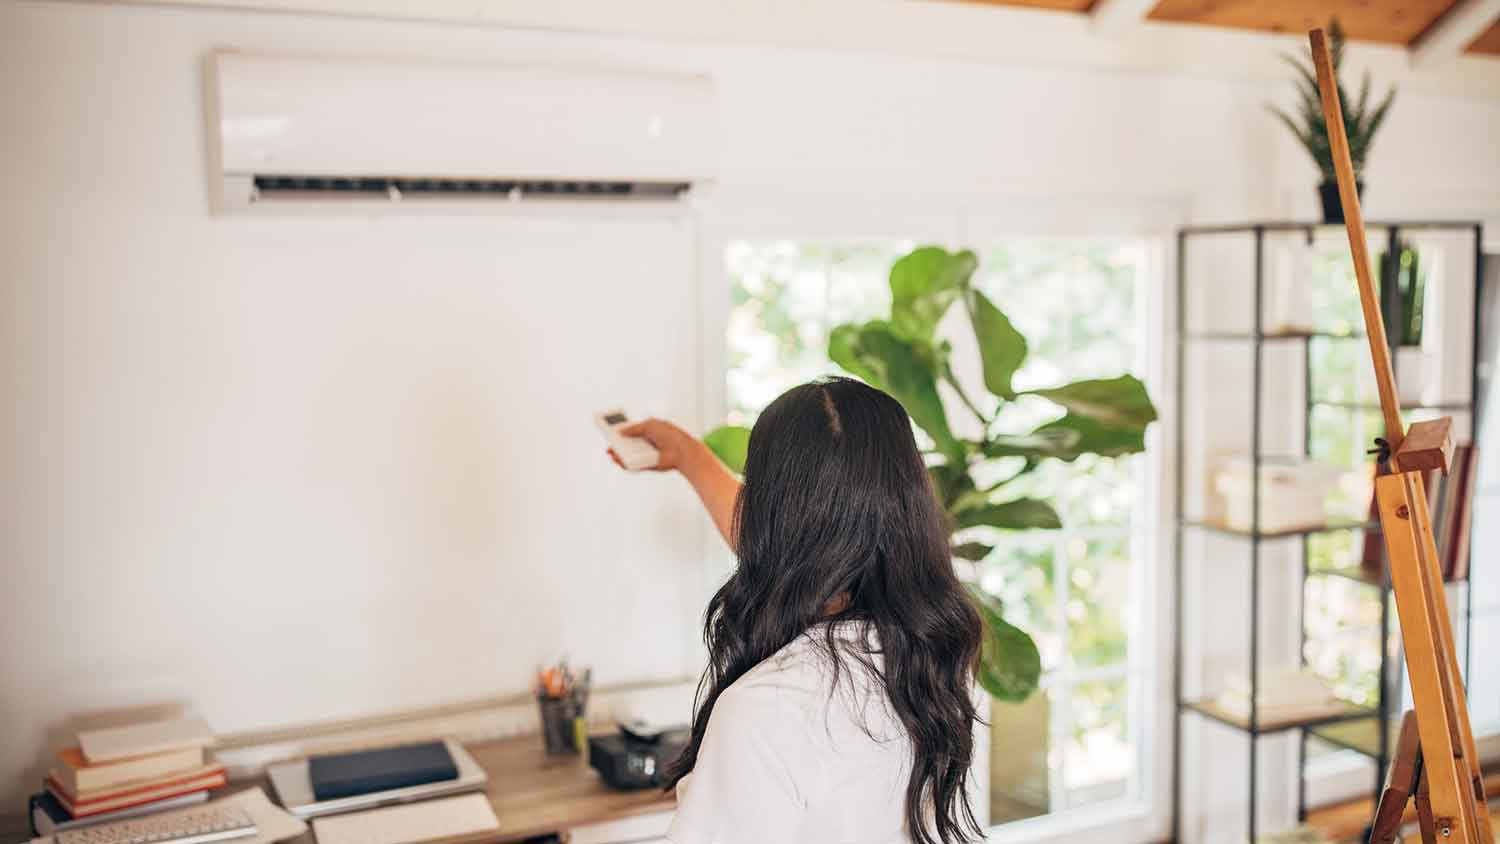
<point>1403,291</point>
<point>904,356</point>
<point>1361,121</point>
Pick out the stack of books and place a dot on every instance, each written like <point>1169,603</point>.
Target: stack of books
<point>125,771</point>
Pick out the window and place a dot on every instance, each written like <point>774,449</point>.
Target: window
<point>1079,591</point>
<point>785,296</point>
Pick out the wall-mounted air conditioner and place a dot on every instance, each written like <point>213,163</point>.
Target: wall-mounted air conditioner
<point>287,131</point>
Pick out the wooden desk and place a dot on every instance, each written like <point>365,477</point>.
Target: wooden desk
<point>534,794</point>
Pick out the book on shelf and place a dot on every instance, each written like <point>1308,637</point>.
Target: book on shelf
<point>1456,527</point>
<point>48,815</point>
<point>1450,502</point>
<point>94,803</point>
<point>81,777</point>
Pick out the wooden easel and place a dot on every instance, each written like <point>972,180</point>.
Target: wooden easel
<point>1435,764</point>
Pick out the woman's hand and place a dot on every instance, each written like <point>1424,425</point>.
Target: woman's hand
<point>717,487</point>
<point>675,448</point>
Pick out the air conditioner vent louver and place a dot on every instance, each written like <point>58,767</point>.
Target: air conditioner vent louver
<point>269,186</point>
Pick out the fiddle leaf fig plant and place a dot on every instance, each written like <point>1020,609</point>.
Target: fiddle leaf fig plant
<point>905,356</point>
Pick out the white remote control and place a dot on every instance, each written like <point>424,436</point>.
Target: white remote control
<point>634,452</point>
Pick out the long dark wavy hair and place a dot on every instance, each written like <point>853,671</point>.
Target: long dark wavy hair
<point>837,521</point>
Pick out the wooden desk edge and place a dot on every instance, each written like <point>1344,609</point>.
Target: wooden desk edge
<point>534,794</point>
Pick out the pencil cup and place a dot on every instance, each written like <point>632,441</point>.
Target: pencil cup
<point>558,717</point>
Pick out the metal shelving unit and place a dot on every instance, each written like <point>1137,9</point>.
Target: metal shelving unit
<point>1365,730</point>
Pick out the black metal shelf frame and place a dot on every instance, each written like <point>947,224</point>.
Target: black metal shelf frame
<point>1333,729</point>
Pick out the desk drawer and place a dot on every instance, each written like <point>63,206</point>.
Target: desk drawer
<point>642,829</point>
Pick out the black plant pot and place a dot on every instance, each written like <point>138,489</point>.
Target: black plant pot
<point>1333,207</point>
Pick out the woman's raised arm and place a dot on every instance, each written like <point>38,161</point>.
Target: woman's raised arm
<point>717,487</point>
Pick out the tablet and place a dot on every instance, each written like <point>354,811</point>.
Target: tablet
<point>294,787</point>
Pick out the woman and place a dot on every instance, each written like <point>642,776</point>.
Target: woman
<point>837,704</point>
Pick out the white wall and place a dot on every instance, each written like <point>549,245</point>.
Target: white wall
<point>300,469</point>
<point>285,471</point>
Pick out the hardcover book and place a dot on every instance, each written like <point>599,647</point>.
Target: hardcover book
<point>82,778</point>
<point>124,798</point>
<point>49,816</point>
<point>369,771</point>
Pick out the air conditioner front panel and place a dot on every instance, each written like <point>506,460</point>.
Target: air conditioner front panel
<point>336,118</point>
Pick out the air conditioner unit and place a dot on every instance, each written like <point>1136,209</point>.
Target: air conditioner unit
<point>286,131</point>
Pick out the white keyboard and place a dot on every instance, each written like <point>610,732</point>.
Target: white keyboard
<point>409,822</point>
<point>183,826</point>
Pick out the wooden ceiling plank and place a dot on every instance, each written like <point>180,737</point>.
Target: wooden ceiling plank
<point>1454,31</point>
<point>1383,21</point>
<point>1055,5</point>
<point>1489,42</point>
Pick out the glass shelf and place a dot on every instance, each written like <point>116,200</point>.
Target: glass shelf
<point>1212,710</point>
<point>1272,335</point>
<point>1356,574</point>
<point>1359,575</point>
<point>1449,407</point>
<point>1329,527</point>
<point>1361,735</point>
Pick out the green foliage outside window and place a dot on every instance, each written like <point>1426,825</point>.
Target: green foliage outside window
<point>905,355</point>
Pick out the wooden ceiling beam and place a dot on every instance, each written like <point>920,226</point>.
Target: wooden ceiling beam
<point>1111,15</point>
<point>1455,30</point>
<point>1489,42</point>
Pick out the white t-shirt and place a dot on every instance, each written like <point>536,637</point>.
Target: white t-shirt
<point>787,758</point>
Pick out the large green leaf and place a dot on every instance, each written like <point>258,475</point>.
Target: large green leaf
<point>1067,438</point>
<point>905,368</point>
<point>729,443</point>
<point>972,551</point>
<point>1020,514</point>
<point>1002,349</point>
<point>1010,666</point>
<point>1060,442</point>
<point>1119,402</point>
<point>844,349</point>
<point>924,284</point>
<point>970,498</point>
<point>1095,438</point>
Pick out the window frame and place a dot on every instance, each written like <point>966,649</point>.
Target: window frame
<point>1146,816</point>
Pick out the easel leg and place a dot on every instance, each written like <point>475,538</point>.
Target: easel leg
<point>1402,783</point>
<point>1463,737</point>
<point>1423,802</point>
<point>1413,557</point>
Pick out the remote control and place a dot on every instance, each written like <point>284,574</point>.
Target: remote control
<point>634,452</point>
